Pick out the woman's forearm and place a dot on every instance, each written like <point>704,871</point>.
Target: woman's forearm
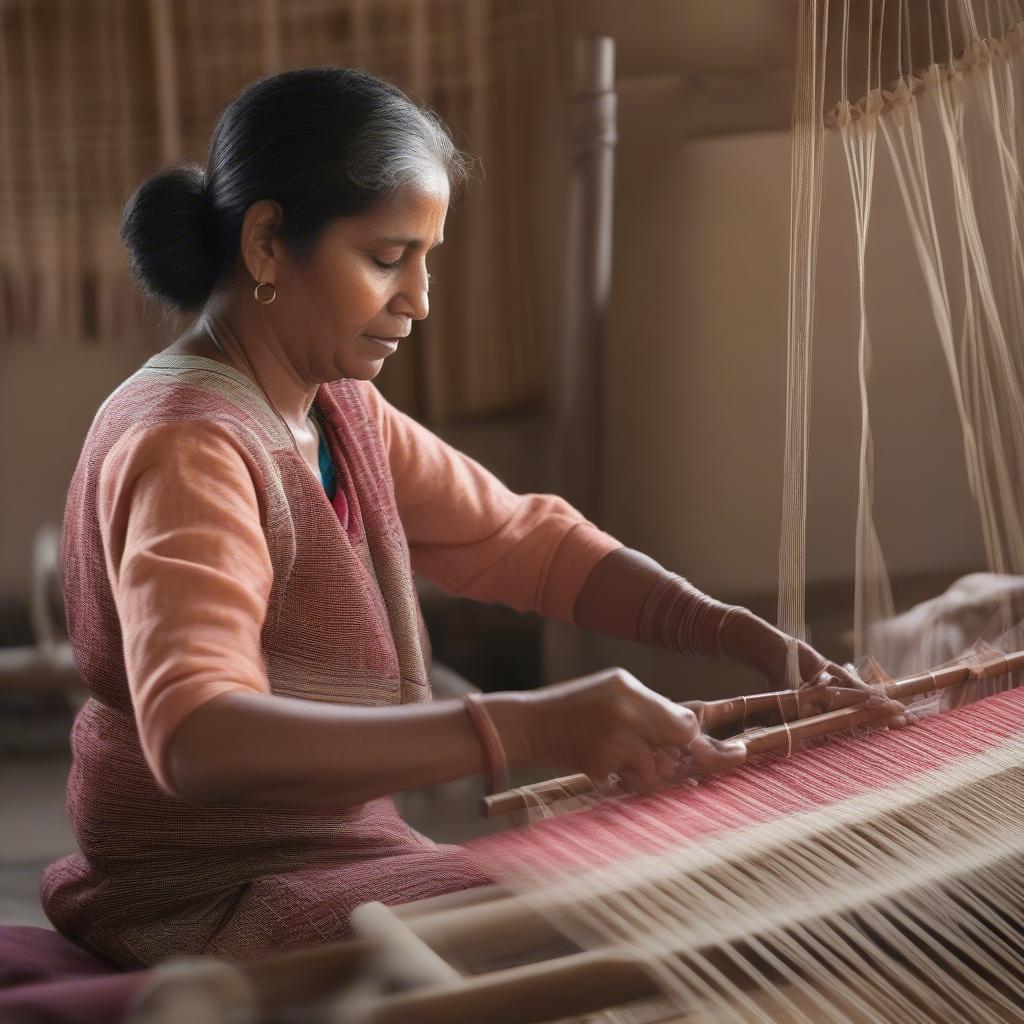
<point>265,750</point>
<point>621,588</point>
<point>630,595</point>
<point>280,751</point>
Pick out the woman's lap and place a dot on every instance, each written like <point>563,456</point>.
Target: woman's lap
<point>310,906</point>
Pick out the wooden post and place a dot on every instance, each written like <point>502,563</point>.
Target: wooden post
<point>579,413</point>
<point>592,135</point>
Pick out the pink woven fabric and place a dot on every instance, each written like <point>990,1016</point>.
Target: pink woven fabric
<point>157,877</point>
<point>340,504</point>
<point>768,786</point>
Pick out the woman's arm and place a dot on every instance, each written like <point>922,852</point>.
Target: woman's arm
<point>630,595</point>
<point>189,572</point>
<point>277,751</point>
<point>281,751</point>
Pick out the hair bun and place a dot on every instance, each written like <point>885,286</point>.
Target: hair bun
<point>169,228</point>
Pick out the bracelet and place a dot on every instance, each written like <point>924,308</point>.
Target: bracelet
<point>494,751</point>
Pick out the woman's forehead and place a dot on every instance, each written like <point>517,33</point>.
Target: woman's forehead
<point>414,214</point>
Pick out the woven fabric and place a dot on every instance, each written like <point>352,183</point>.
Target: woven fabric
<point>769,786</point>
<point>155,876</point>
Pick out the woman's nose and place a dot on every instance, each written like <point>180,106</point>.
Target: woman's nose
<point>413,300</point>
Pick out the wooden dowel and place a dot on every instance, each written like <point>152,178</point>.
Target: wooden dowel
<point>401,956</point>
<point>713,714</point>
<point>549,792</point>
<point>583,983</point>
<point>762,740</point>
<point>757,741</point>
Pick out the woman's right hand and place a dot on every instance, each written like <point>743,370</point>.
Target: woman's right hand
<point>608,724</point>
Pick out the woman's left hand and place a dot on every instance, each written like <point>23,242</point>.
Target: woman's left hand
<point>787,662</point>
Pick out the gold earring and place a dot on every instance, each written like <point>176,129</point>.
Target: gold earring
<point>265,284</point>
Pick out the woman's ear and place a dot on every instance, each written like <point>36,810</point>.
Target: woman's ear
<point>260,227</point>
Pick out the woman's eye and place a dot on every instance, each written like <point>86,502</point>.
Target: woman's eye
<point>386,266</point>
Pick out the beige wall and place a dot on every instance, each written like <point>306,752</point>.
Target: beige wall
<point>47,401</point>
<point>696,379</point>
<point>697,371</point>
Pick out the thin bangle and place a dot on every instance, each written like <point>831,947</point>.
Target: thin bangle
<point>494,750</point>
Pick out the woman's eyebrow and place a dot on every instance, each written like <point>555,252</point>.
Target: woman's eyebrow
<point>393,240</point>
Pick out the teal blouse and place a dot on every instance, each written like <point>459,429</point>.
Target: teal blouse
<point>328,476</point>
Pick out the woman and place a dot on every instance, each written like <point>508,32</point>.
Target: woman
<point>239,545</point>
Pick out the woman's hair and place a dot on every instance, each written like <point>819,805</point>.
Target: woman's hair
<point>324,142</point>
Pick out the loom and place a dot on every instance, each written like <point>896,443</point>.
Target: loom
<point>877,878</point>
<point>867,874</point>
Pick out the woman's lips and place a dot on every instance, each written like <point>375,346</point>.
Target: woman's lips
<point>391,344</point>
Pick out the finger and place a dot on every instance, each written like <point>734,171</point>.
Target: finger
<point>665,761</point>
<point>891,713</point>
<point>818,670</point>
<point>813,667</point>
<point>903,721</point>
<point>896,706</point>
<point>822,678</point>
<point>708,755</point>
<point>898,715</point>
<point>846,675</point>
<point>700,711</point>
<point>608,784</point>
<point>641,779</point>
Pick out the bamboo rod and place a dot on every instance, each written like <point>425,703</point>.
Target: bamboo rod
<point>402,957</point>
<point>760,741</point>
<point>585,982</point>
<point>713,714</point>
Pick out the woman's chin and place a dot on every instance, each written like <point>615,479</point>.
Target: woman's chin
<point>359,368</point>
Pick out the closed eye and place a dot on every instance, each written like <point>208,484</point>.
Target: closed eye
<point>392,266</point>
